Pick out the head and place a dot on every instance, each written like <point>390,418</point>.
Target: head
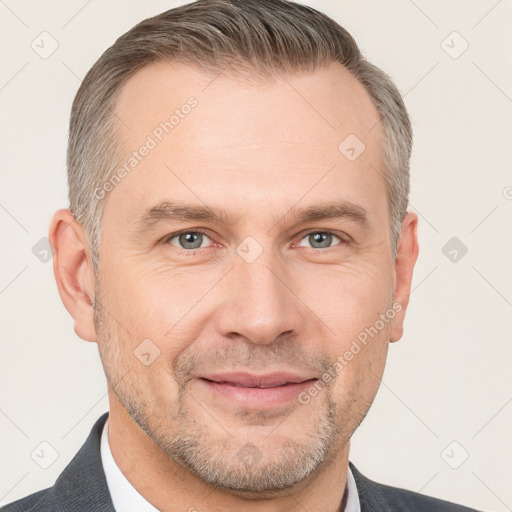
<point>238,182</point>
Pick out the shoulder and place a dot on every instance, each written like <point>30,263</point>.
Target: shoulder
<point>81,487</point>
<point>375,497</point>
<point>31,503</point>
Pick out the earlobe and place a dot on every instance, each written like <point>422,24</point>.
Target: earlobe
<point>407,254</point>
<point>74,272</point>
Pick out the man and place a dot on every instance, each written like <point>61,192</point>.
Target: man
<point>239,247</point>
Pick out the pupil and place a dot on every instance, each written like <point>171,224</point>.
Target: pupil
<point>189,240</point>
<point>320,240</point>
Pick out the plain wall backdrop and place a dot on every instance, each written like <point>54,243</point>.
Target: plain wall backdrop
<point>441,421</point>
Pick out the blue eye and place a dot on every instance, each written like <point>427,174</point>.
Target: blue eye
<point>189,240</point>
<point>320,239</point>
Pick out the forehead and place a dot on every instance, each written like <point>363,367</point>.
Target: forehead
<point>271,140</point>
<point>330,99</point>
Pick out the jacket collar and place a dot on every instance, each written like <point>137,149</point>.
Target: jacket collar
<point>82,486</point>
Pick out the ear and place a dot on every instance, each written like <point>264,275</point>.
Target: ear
<point>407,254</point>
<point>74,272</point>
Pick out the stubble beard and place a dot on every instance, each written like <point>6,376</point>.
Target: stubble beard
<point>220,460</point>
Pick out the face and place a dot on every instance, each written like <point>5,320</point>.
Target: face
<point>242,259</point>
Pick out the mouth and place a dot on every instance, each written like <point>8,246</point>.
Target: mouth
<point>257,391</point>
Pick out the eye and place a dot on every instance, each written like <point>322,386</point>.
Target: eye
<point>320,239</point>
<point>189,240</point>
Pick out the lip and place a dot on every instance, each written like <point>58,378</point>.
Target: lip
<point>253,380</point>
<point>255,391</point>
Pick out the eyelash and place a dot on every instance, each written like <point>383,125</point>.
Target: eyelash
<point>342,236</point>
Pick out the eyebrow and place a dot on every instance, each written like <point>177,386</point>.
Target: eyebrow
<point>169,211</point>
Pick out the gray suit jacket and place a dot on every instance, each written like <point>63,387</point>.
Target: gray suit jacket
<point>82,487</point>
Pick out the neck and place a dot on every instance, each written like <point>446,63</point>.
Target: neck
<point>171,487</point>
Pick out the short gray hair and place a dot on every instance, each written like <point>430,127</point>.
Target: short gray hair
<point>255,38</point>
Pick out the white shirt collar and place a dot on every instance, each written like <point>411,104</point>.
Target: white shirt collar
<point>127,499</point>
<point>353,504</point>
<point>124,496</point>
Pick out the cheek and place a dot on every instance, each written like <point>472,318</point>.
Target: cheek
<point>349,298</point>
<point>355,303</point>
<point>141,297</point>
<point>167,307</point>
<point>362,360</point>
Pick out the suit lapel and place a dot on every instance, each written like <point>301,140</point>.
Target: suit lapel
<point>82,486</point>
<point>370,496</point>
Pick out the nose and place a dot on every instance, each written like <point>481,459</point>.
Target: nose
<point>259,303</point>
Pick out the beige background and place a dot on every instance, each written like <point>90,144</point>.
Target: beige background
<point>447,380</point>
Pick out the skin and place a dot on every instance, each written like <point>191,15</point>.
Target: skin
<point>255,150</point>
